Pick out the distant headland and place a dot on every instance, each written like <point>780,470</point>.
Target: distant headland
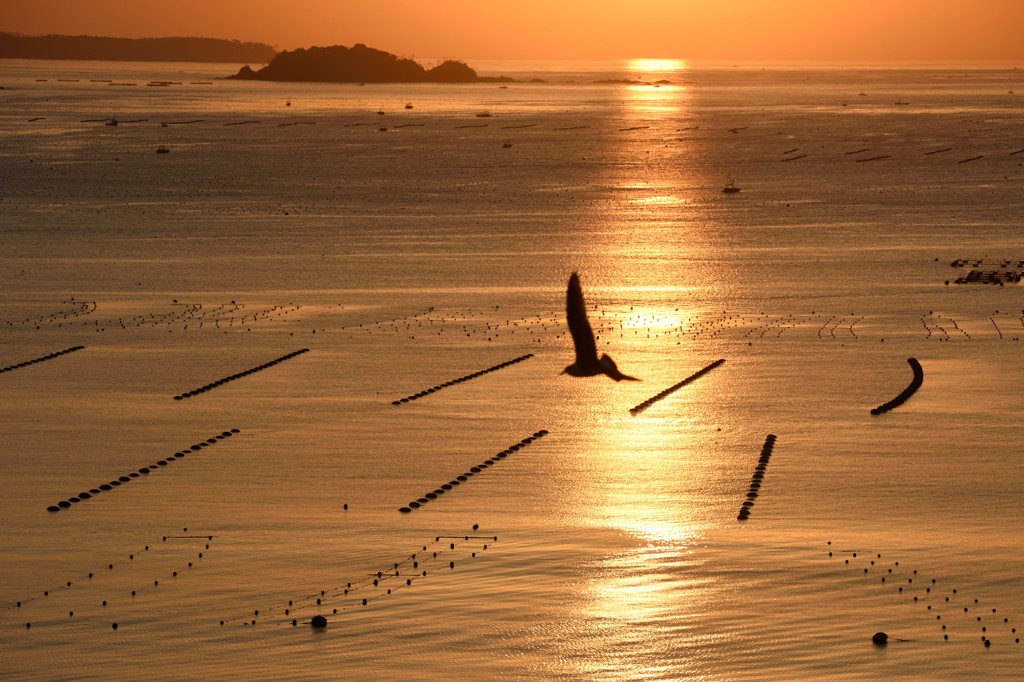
<point>17,46</point>
<point>357,64</point>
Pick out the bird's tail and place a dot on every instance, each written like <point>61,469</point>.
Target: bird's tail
<point>613,371</point>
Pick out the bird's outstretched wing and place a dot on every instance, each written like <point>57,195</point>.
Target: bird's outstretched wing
<point>612,370</point>
<point>579,327</point>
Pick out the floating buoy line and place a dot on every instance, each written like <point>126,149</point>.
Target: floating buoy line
<point>144,471</point>
<point>464,477</point>
<point>673,388</point>
<point>93,581</point>
<point>439,554</point>
<point>44,358</point>
<point>474,375</point>
<point>915,384</point>
<point>233,377</point>
<point>76,309</point>
<point>757,477</point>
<point>954,612</point>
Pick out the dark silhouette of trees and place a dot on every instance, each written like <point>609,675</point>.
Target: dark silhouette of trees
<point>16,46</point>
<point>356,64</point>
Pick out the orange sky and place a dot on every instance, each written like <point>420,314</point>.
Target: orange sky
<point>738,30</point>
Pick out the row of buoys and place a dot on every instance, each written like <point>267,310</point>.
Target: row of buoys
<point>104,487</point>
<point>462,478</point>
<point>1013,318</point>
<point>836,322</point>
<point>221,382</point>
<point>998,277</point>
<point>474,375</point>
<point>44,358</point>
<point>758,476</point>
<point>988,619</point>
<point>675,387</point>
<point>190,313</point>
<point>80,308</point>
<point>915,384</point>
<point>978,262</point>
<point>109,567</point>
<point>936,322</point>
<point>380,584</point>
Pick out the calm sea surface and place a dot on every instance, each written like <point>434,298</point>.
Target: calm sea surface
<point>410,237</point>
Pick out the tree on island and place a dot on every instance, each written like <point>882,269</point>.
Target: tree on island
<point>356,64</point>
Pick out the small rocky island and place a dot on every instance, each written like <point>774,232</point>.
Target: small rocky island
<point>356,64</point>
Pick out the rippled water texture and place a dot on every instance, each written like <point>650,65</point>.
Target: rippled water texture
<point>243,313</point>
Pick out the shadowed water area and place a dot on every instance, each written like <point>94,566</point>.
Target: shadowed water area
<point>322,306</point>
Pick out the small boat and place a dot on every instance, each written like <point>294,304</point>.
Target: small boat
<point>162,150</point>
<point>484,114</point>
<point>408,106</point>
<point>507,145</point>
<point>112,122</point>
<point>730,188</point>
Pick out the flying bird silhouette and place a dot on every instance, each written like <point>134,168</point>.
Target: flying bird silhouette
<point>587,364</point>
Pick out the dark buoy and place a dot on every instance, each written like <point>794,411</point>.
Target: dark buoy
<point>880,638</point>
<point>318,622</point>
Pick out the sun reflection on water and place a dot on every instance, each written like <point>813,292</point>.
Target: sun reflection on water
<point>656,66</point>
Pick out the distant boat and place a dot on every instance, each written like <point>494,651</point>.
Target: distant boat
<point>162,150</point>
<point>408,106</point>
<point>112,122</point>
<point>507,145</point>
<point>484,114</point>
<point>730,188</point>
<point>901,103</point>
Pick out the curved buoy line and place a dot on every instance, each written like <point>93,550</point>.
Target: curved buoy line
<point>44,358</point>
<point>233,377</point>
<point>458,480</point>
<point>474,375</point>
<point>915,384</point>
<point>675,387</point>
<point>143,471</point>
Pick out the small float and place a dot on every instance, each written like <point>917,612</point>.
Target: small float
<point>730,188</point>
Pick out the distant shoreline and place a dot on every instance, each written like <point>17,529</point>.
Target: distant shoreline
<point>63,47</point>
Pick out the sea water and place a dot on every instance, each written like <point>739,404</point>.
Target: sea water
<point>409,237</point>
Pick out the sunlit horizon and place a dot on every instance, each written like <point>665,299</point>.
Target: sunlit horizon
<point>743,30</point>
